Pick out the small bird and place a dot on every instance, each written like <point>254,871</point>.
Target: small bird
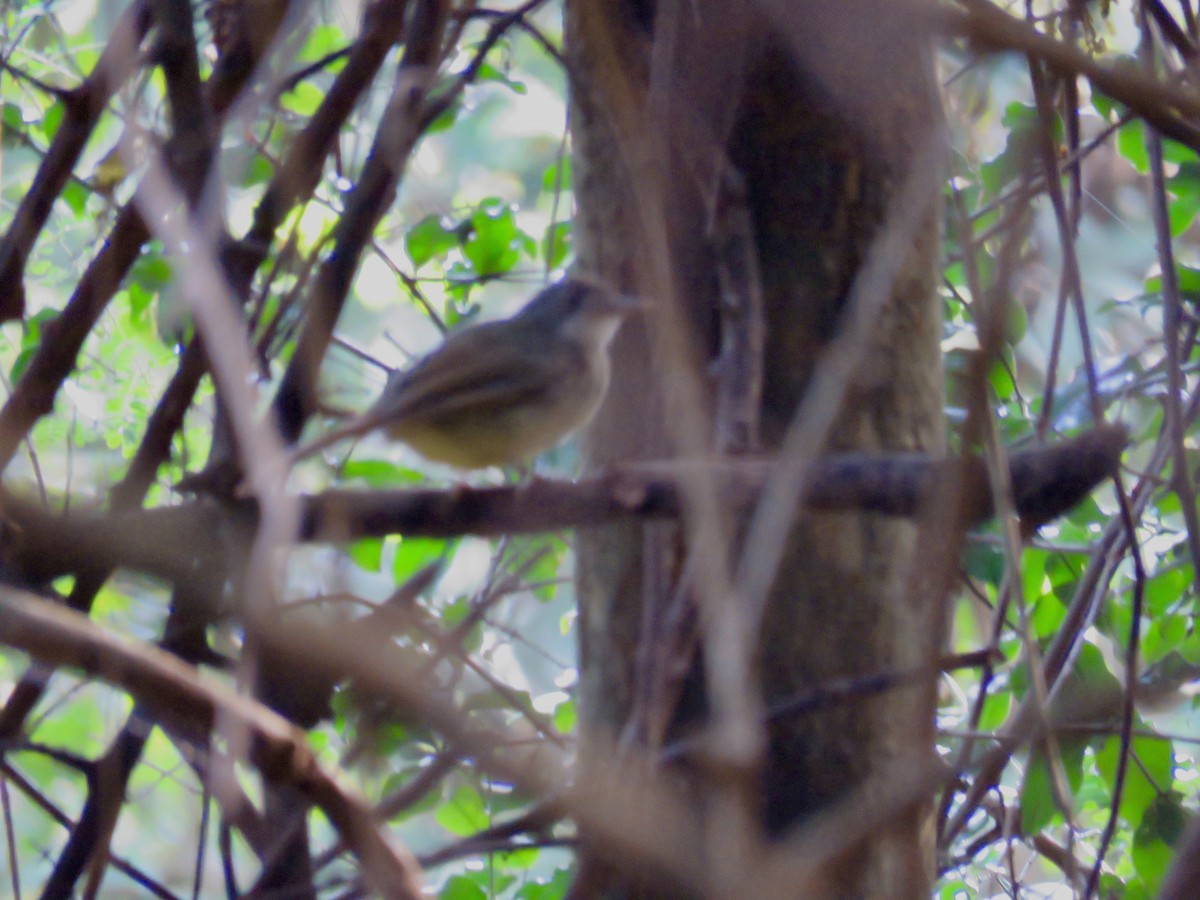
<point>501,392</point>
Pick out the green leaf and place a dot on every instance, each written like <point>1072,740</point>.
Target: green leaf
<point>320,41</point>
<point>490,880</point>
<point>367,554</point>
<point>152,270</point>
<point>445,121</point>
<point>454,612</point>
<point>1189,649</point>
<point>14,120</point>
<point>259,171</point>
<point>1166,589</point>
<point>956,890</point>
<point>1131,144</point>
<point>1016,322</point>
<point>1114,886</point>
<point>389,739</point>
<point>984,562</point>
<point>565,717</point>
<point>380,473</point>
<point>551,548</point>
<point>554,889</point>
<point>1150,774</point>
<point>52,119</point>
<point>464,813</point>
<point>1151,860</point>
<point>139,303</point>
<point>1162,635</point>
<point>64,584</point>
<point>414,554</point>
<point>956,274</point>
<point>1001,380</point>
<point>31,338</point>
<point>1175,152</point>
<point>1023,125</point>
<point>460,279</point>
<point>460,887</point>
<point>1034,582</point>
<point>76,196</point>
<point>1048,615</point>
<point>493,246</point>
<point>518,860</point>
<point>556,244</point>
<point>1157,836</point>
<point>303,99</point>
<point>428,239</point>
<point>1181,212</point>
<point>1038,807</point>
<point>996,707</point>
<point>20,364</point>
<point>1188,279</point>
<point>489,72</point>
<point>1165,819</point>
<point>558,176</point>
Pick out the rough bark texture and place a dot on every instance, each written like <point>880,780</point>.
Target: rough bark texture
<point>819,109</point>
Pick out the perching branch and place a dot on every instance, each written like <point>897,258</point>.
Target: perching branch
<point>171,542</point>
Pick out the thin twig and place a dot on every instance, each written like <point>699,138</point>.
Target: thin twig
<point>1128,522</point>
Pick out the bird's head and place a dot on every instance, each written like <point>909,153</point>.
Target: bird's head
<point>580,309</point>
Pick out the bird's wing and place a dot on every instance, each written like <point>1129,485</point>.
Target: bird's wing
<point>467,371</point>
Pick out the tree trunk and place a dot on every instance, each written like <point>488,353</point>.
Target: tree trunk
<point>730,157</point>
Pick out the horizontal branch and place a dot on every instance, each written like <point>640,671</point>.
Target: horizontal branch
<point>175,542</point>
<point>1047,481</point>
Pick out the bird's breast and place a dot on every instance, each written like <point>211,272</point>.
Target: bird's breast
<point>505,433</point>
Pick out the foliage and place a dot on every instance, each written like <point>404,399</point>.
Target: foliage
<point>484,213</point>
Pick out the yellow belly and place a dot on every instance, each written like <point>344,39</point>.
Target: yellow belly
<point>478,439</point>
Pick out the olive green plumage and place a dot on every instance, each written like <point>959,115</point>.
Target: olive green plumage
<point>502,392</point>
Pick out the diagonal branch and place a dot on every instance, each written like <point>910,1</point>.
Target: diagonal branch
<point>55,358</point>
<point>372,195</point>
<point>1169,108</point>
<point>83,106</point>
<point>173,692</point>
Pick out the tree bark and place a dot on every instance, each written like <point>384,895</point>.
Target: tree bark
<point>811,118</point>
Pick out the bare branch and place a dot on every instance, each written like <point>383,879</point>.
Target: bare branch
<point>173,692</point>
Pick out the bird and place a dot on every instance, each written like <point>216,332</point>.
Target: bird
<point>501,392</point>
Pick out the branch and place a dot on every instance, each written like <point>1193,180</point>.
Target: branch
<point>302,166</point>
<point>83,107</point>
<point>63,339</point>
<point>1046,482</point>
<point>174,542</point>
<point>397,135</point>
<point>1169,109</point>
<point>174,693</point>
